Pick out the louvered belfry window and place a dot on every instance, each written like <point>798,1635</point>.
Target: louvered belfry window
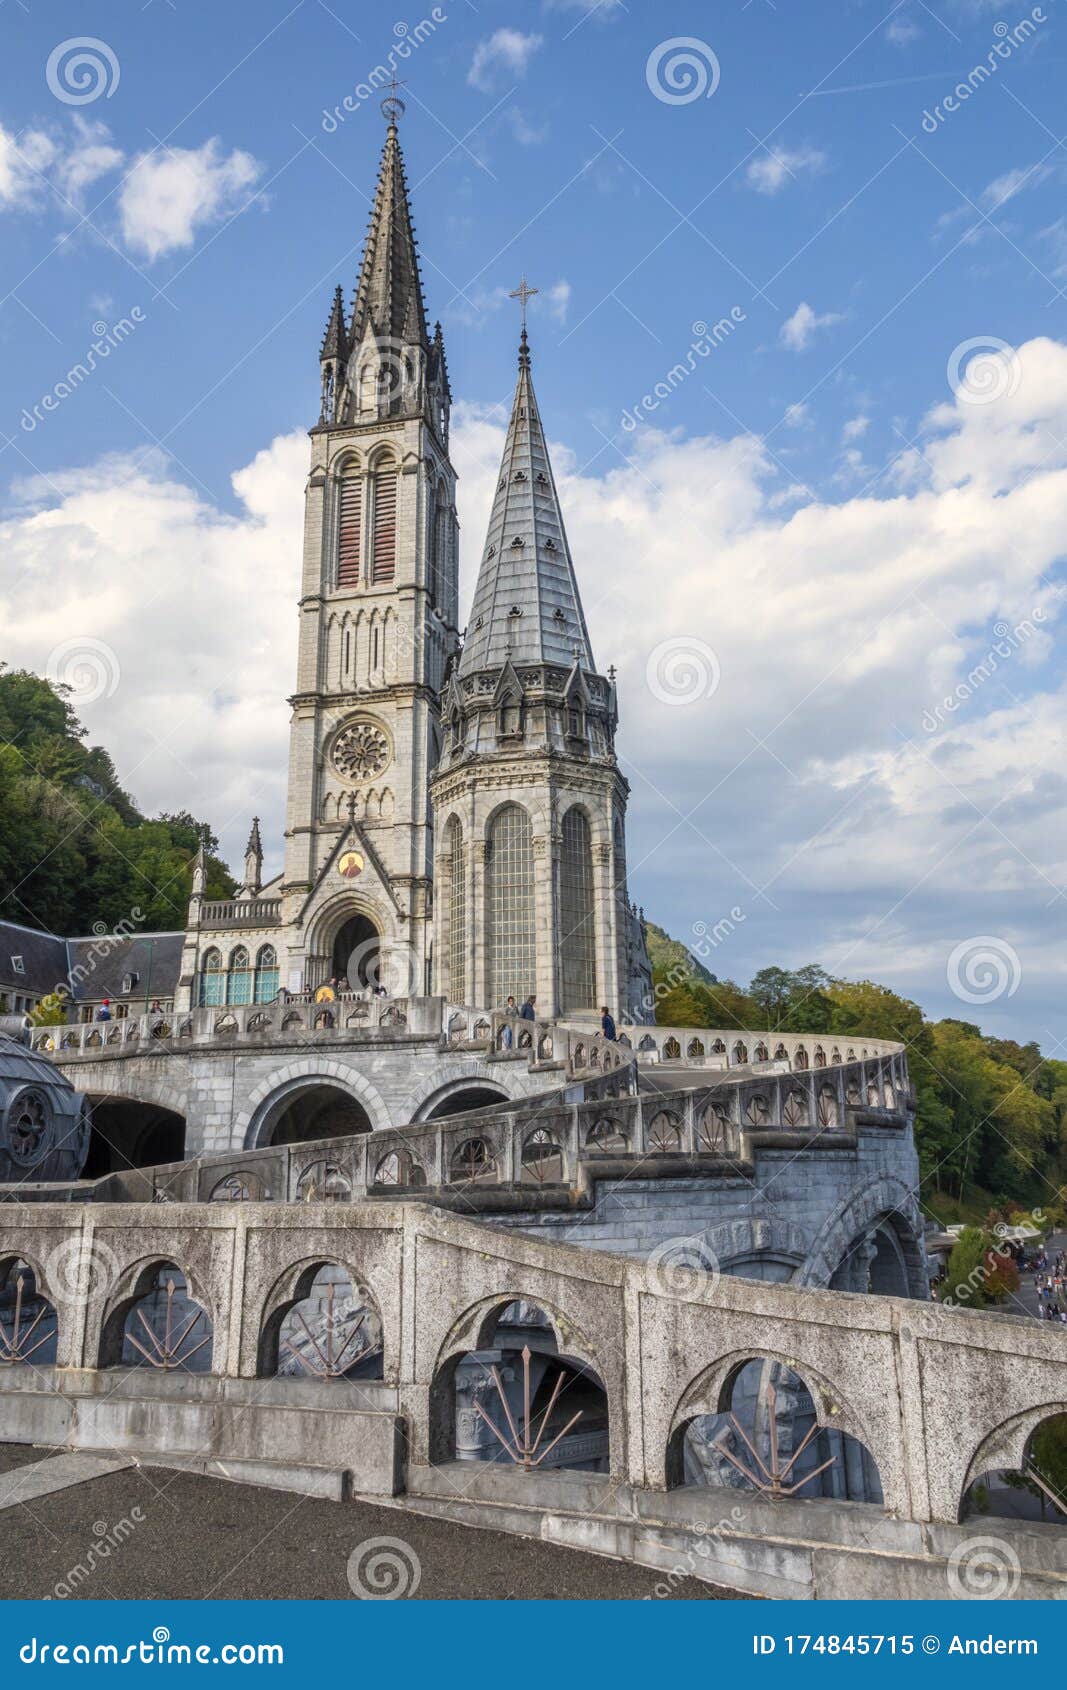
<point>383,562</point>
<point>349,528</point>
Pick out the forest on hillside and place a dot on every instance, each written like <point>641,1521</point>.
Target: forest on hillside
<point>74,848</point>
<point>991,1124</point>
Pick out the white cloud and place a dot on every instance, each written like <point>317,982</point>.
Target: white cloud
<point>1005,187</point>
<point>902,31</point>
<point>773,170</point>
<point>837,627</point>
<point>40,167</point>
<point>798,331</point>
<point>558,299</point>
<point>526,133</point>
<point>505,50</point>
<point>855,428</point>
<point>797,416</point>
<point>171,193</point>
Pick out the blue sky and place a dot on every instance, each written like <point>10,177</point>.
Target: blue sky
<point>838,502</point>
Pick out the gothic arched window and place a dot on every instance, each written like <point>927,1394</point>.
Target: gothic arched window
<point>577,914</point>
<point>239,979</point>
<point>349,527</point>
<point>383,549</point>
<point>211,977</point>
<point>266,989</point>
<point>457,914</point>
<point>511,943</point>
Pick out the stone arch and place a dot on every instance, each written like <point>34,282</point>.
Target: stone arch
<point>263,1099</point>
<point>745,1242</point>
<point>882,1199</point>
<point>452,1078</point>
<point>130,1287</point>
<point>29,1316</point>
<point>710,1391</point>
<point>292,1287</point>
<point>1005,1446</point>
<point>475,1329</point>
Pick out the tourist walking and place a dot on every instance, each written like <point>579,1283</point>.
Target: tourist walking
<point>528,1012</point>
<point>607,1024</point>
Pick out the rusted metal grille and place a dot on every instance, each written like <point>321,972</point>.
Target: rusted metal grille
<point>524,1442</point>
<point>168,1352</point>
<point>17,1348</point>
<point>772,1477</point>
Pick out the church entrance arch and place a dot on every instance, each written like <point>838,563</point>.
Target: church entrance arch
<point>357,957</point>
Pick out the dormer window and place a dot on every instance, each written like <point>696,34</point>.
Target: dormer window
<point>129,981</point>
<point>510,719</point>
<point>456,725</point>
<point>18,966</point>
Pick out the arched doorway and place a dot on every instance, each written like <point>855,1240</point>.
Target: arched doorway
<point>466,1098</point>
<point>356,951</point>
<point>128,1134</point>
<point>313,1110</point>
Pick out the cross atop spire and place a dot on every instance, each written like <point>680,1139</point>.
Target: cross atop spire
<point>523,293</point>
<point>393,106</point>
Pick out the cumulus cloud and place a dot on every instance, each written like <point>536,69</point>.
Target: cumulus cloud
<point>173,192</point>
<point>825,785</point>
<point>799,330</point>
<point>855,428</point>
<point>771,171</point>
<point>507,50</point>
<point>38,166</point>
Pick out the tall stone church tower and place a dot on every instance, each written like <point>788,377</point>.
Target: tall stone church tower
<point>529,803</point>
<point>378,614</point>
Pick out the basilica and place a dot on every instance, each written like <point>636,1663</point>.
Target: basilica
<point>456,817</point>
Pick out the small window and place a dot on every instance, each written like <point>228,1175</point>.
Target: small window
<point>129,981</point>
<point>18,965</point>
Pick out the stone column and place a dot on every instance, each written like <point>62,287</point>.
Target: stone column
<point>477,959</point>
<point>546,852</point>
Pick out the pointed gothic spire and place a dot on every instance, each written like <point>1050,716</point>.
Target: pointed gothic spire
<point>335,340</point>
<point>388,295</point>
<point>526,603</point>
<point>254,858</point>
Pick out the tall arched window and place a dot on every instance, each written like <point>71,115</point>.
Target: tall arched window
<point>349,528</point>
<point>266,988</point>
<point>211,977</point>
<point>383,552</point>
<point>577,915</point>
<point>239,979</point>
<point>457,915</point>
<point>509,902</point>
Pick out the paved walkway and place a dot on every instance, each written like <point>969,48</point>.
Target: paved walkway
<point>177,1535</point>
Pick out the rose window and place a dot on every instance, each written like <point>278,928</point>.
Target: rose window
<point>29,1129</point>
<point>360,751</point>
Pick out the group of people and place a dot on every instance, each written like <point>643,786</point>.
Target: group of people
<point>528,1012</point>
<point>1050,1283</point>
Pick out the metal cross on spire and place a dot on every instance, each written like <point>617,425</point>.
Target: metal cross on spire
<point>522,293</point>
<point>393,106</point>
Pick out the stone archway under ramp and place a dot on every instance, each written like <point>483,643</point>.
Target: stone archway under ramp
<point>484,1083</point>
<point>335,1095</point>
<point>883,1206</point>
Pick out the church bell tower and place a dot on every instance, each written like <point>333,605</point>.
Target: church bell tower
<point>378,613</point>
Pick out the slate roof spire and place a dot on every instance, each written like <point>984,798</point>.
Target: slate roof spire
<point>388,295</point>
<point>335,340</point>
<point>526,604</point>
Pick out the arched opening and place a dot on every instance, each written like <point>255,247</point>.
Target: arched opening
<point>766,1439</point>
<point>28,1324</point>
<point>356,952</point>
<point>128,1134</point>
<point>327,1329</point>
<point>311,1110</point>
<point>577,949</point>
<point>1036,1490</point>
<point>159,1325</point>
<point>511,942</point>
<point>883,1258</point>
<point>466,1098</point>
<point>516,1401</point>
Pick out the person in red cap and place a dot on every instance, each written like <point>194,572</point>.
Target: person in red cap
<point>104,1012</point>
